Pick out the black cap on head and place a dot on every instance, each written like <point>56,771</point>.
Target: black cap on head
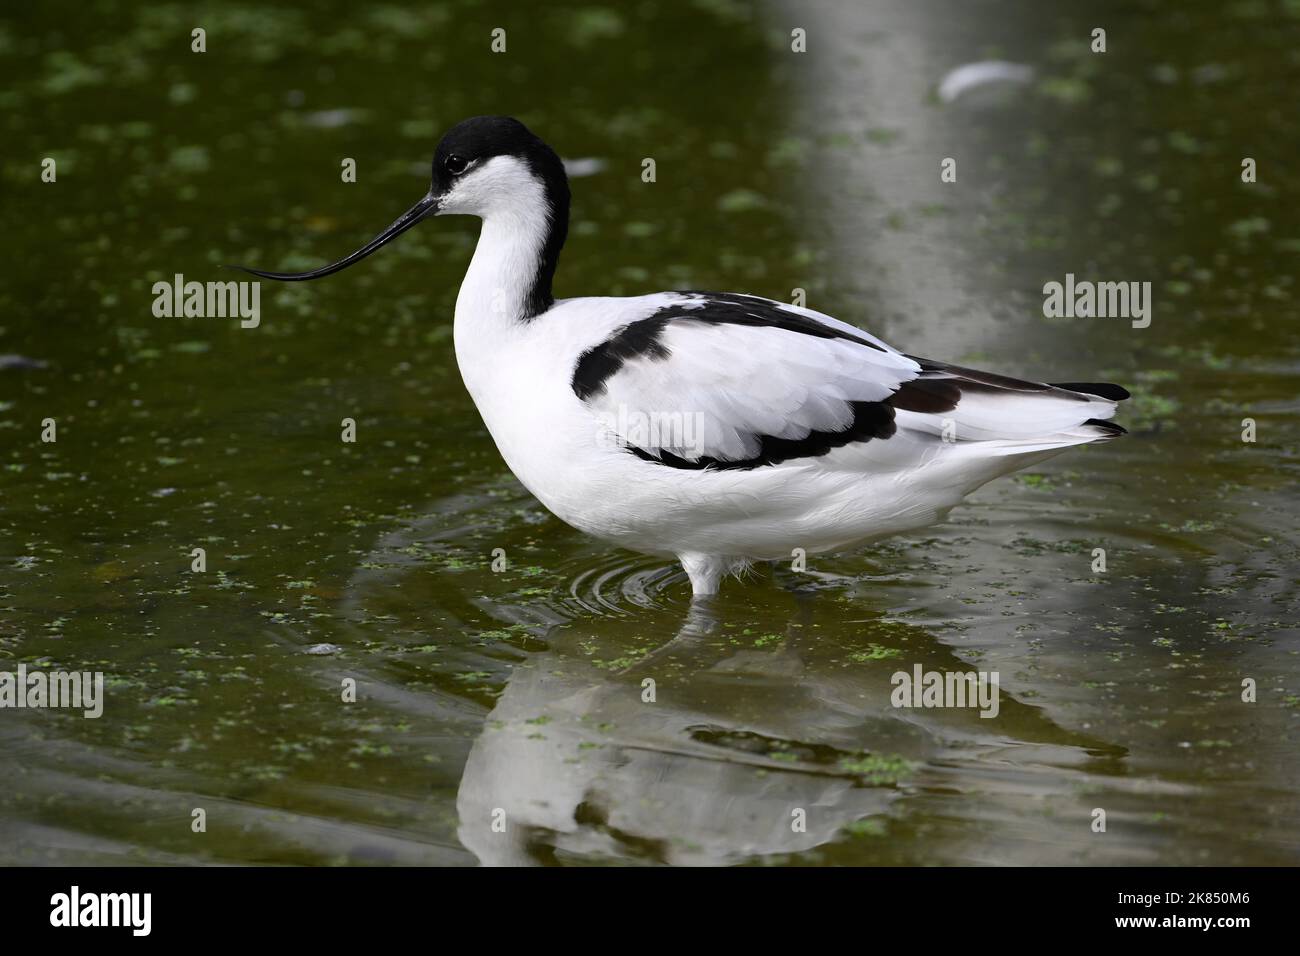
<point>482,137</point>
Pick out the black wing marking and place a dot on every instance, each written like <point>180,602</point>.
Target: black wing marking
<point>644,337</point>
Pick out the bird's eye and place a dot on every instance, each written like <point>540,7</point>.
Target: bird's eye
<point>455,164</point>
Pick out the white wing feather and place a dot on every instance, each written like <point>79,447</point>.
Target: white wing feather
<point>724,386</point>
<point>715,389</point>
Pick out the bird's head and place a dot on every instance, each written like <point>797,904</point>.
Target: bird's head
<point>486,166</point>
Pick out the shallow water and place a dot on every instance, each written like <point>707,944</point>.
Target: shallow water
<point>521,690</point>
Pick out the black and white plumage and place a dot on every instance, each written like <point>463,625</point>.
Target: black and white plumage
<point>716,427</point>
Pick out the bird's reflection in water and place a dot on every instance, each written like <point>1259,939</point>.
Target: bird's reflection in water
<point>709,752</point>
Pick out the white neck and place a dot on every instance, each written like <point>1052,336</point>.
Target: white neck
<point>516,221</point>
<point>491,307</point>
<point>501,274</point>
<point>493,310</point>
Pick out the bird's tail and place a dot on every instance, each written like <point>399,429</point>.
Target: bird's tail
<point>1005,416</point>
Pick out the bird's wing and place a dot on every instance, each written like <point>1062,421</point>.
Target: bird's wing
<point>734,381</point>
<point>719,380</point>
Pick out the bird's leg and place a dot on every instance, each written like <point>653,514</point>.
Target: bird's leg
<point>705,571</point>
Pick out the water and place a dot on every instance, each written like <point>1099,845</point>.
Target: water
<point>522,690</point>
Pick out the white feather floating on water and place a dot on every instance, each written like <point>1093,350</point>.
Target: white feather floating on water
<point>970,75</point>
<point>585,166</point>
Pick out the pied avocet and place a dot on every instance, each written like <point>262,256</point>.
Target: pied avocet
<point>717,427</point>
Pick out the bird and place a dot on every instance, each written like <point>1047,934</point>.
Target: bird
<point>719,429</point>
